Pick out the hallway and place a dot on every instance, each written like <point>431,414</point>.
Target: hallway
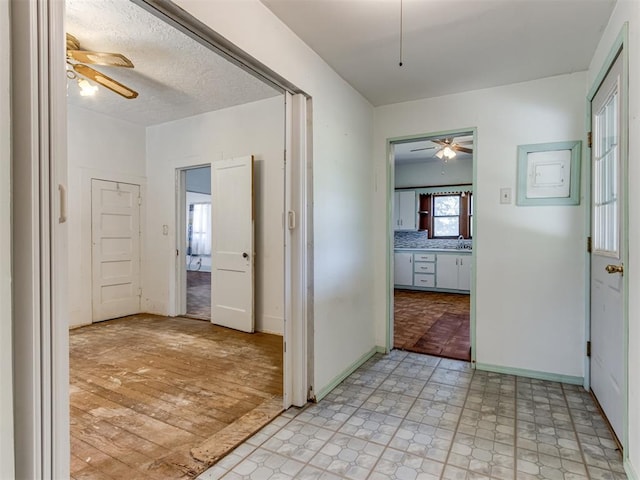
<point>408,416</point>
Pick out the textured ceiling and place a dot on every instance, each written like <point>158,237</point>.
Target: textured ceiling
<point>424,150</point>
<point>449,46</point>
<point>175,76</point>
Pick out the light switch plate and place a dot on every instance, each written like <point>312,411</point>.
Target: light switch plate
<point>505,195</point>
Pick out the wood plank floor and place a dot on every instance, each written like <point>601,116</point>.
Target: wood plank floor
<point>432,323</point>
<point>163,398</point>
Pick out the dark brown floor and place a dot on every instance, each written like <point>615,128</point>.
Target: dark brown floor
<point>199,295</point>
<point>163,398</point>
<point>432,323</point>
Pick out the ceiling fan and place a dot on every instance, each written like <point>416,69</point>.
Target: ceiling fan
<point>77,58</point>
<point>447,147</point>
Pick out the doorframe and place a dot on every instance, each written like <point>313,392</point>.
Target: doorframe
<point>39,178</point>
<point>620,48</point>
<point>6,349</point>
<point>39,234</point>
<point>390,232</point>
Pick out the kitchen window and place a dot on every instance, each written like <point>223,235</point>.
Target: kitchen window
<point>452,215</point>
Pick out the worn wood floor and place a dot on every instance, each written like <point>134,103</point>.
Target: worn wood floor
<point>163,398</point>
<point>432,323</point>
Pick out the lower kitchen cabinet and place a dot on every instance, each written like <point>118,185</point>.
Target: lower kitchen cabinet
<point>432,271</point>
<point>403,269</point>
<point>453,272</point>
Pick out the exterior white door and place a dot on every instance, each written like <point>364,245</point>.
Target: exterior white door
<point>115,251</point>
<point>608,242</point>
<point>232,250</point>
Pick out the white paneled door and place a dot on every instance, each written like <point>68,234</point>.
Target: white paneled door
<point>232,249</point>
<point>608,238</point>
<point>115,252</point>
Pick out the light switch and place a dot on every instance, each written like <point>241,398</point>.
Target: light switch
<point>505,195</point>
<point>165,229</point>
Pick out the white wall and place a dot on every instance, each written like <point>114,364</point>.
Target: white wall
<point>255,128</point>
<point>342,179</point>
<point>629,11</point>
<point>104,148</point>
<point>6,377</point>
<point>529,312</point>
<point>454,172</point>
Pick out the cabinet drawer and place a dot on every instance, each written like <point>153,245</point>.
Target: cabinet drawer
<point>424,280</point>
<point>424,267</point>
<point>424,257</point>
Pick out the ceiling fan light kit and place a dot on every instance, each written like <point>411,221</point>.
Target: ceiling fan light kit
<point>76,59</point>
<point>86,89</point>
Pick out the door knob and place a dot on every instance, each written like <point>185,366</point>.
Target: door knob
<point>615,269</point>
<point>245,255</point>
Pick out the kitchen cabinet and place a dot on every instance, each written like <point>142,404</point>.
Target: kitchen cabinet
<point>403,269</point>
<point>453,272</point>
<point>404,210</point>
<point>424,269</point>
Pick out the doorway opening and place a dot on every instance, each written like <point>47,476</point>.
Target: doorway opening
<point>432,243</point>
<point>196,209</point>
<point>153,393</point>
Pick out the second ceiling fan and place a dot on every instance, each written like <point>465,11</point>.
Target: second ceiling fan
<point>447,147</point>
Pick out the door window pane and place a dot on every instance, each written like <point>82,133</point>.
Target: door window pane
<point>606,178</point>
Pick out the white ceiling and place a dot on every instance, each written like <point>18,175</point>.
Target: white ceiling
<point>175,76</point>
<point>449,46</point>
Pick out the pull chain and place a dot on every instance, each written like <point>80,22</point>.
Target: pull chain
<point>400,64</point>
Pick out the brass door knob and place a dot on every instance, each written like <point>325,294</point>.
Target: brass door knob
<point>615,269</point>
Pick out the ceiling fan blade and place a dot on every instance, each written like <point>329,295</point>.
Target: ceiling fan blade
<point>466,142</point>
<point>105,81</point>
<point>100,58</point>
<point>418,149</point>
<point>442,141</point>
<point>462,149</point>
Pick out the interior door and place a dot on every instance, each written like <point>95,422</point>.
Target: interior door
<point>608,237</point>
<point>115,250</point>
<point>232,249</point>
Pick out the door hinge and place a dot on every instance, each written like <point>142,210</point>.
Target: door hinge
<point>285,347</point>
<point>589,244</point>
<point>589,139</point>
<point>139,291</point>
<point>139,201</point>
<point>588,349</point>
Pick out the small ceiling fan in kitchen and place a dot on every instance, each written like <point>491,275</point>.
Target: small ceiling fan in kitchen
<point>447,147</point>
<point>77,58</point>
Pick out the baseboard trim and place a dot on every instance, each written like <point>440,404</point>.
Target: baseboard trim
<point>521,372</point>
<point>352,368</point>
<point>631,472</point>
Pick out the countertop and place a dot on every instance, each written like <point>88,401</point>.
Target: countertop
<point>418,249</point>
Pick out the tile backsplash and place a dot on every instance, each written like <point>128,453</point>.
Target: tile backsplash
<point>418,239</point>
